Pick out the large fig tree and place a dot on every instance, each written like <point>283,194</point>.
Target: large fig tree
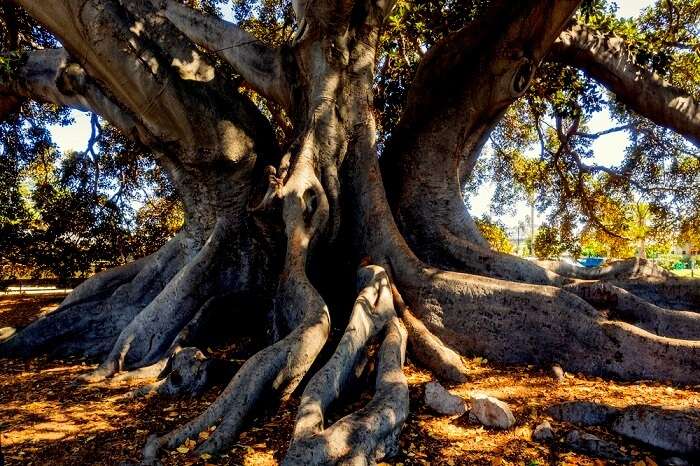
<point>297,206</point>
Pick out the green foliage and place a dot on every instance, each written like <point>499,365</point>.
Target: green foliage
<point>495,233</point>
<point>594,248</point>
<point>528,158</point>
<point>117,195</point>
<point>548,243</point>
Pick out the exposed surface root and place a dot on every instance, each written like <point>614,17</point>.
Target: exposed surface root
<point>150,334</point>
<point>188,373</point>
<point>277,369</point>
<point>639,276</point>
<point>88,323</point>
<point>372,310</point>
<point>673,430</point>
<point>369,434</point>
<point>630,308</point>
<point>427,348</point>
<point>671,293</point>
<point>300,313</point>
<point>468,254</point>
<point>518,323</point>
<point>627,269</point>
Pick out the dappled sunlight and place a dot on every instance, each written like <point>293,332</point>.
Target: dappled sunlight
<point>46,416</point>
<point>529,391</point>
<point>259,458</point>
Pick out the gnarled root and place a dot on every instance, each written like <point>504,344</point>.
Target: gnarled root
<point>372,432</point>
<point>372,310</point>
<point>148,336</point>
<point>299,311</point>
<point>517,323</point>
<point>625,306</point>
<point>671,293</point>
<point>100,308</point>
<point>277,368</point>
<point>427,348</point>
<point>188,372</point>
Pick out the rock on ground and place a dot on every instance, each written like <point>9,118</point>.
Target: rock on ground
<point>543,432</point>
<point>442,401</point>
<point>557,373</point>
<point>6,332</point>
<point>491,411</point>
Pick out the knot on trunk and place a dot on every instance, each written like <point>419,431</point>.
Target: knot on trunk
<point>522,77</point>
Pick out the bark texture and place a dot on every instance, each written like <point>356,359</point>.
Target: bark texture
<point>608,60</point>
<point>259,218</point>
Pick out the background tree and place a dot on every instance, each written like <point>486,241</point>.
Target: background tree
<point>547,244</point>
<point>269,133</point>
<point>495,234</point>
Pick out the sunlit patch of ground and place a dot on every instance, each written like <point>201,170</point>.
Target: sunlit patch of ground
<point>46,419</point>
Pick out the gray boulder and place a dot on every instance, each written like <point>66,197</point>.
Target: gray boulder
<point>557,373</point>
<point>543,432</point>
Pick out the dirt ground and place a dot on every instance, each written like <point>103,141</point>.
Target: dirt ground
<point>47,419</point>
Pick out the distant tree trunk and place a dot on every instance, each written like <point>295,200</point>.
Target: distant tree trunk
<point>260,220</point>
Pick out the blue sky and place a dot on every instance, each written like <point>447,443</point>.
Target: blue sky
<point>608,149</point>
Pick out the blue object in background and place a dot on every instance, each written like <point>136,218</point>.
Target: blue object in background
<point>592,261</point>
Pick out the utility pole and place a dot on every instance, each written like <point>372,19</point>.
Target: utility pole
<point>532,220</point>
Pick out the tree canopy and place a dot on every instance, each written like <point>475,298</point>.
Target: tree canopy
<point>320,152</point>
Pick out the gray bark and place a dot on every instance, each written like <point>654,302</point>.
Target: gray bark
<point>137,63</point>
<point>608,61</point>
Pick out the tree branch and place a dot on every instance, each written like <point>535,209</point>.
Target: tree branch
<point>50,76</point>
<point>259,65</point>
<point>605,132</point>
<point>109,44</point>
<point>608,61</point>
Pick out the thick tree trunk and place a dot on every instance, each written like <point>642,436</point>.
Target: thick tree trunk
<point>326,191</point>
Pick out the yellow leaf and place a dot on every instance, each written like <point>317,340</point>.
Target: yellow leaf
<point>205,456</point>
<point>183,449</point>
<point>204,435</point>
<point>189,443</point>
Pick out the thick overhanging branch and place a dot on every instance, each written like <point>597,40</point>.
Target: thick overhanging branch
<point>607,60</point>
<point>427,160</point>
<point>51,76</point>
<point>259,65</point>
<point>110,45</point>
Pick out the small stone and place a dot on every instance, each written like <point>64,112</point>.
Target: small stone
<point>442,401</point>
<point>543,432</point>
<point>557,373</point>
<point>491,411</point>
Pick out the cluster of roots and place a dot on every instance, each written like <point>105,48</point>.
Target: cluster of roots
<point>151,317</point>
<point>662,344</point>
<point>221,277</point>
